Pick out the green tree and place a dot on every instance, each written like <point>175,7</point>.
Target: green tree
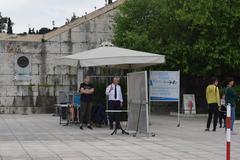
<point>74,17</point>
<point>198,37</point>
<point>9,26</point>
<point>29,30</point>
<point>44,30</point>
<point>3,23</point>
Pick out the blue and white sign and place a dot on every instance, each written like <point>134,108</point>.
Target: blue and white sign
<point>164,86</point>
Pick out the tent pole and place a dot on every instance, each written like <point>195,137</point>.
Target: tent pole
<point>179,96</point>
<point>149,99</point>
<point>79,75</point>
<point>106,83</point>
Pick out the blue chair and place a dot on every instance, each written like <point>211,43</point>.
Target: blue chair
<point>77,100</point>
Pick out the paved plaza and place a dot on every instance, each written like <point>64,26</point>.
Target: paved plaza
<point>40,137</point>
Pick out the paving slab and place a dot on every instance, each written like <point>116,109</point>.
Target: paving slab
<point>40,137</point>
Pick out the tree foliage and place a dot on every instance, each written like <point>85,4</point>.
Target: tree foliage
<point>6,24</point>
<point>72,19</point>
<point>198,37</point>
<point>44,30</point>
<point>9,26</point>
<point>3,23</point>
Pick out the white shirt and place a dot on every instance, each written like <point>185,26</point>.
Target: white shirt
<point>222,102</point>
<point>110,91</point>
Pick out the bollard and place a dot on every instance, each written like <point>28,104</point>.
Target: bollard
<point>228,134</point>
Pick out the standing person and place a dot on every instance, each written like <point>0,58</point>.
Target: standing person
<point>86,90</point>
<point>213,101</point>
<point>230,98</point>
<point>115,101</point>
<point>222,113</point>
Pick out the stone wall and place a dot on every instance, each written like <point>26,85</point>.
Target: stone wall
<point>40,92</point>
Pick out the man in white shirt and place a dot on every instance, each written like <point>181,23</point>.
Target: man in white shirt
<point>115,101</point>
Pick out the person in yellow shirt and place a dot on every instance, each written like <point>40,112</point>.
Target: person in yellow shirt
<point>213,101</point>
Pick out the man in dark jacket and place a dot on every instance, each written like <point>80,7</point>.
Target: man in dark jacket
<point>86,90</point>
<point>231,98</point>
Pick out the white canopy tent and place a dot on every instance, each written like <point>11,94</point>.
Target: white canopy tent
<point>111,56</point>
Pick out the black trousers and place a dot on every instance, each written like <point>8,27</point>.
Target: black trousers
<point>114,116</point>
<point>85,112</point>
<point>222,116</point>
<point>212,113</point>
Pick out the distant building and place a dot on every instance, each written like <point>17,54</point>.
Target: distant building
<point>29,81</point>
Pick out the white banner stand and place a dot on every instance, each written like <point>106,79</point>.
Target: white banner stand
<point>165,87</point>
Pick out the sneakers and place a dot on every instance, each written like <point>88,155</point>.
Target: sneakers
<point>89,127</point>
<point>207,130</point>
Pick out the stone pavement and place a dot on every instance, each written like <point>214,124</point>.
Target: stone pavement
<point>40,137</point>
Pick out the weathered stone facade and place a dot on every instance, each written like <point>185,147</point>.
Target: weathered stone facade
<point>38,90</point>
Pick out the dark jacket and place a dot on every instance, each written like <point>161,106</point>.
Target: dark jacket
<point>231,96</point>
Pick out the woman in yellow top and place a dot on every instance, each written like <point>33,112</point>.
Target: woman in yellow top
<point>213,101</point>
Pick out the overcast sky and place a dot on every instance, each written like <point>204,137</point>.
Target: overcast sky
<point>37,14</point>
